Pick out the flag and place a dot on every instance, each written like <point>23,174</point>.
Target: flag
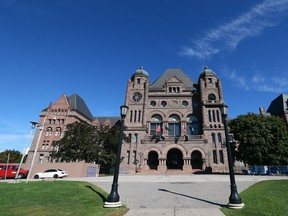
<point>191,128</point>
<point>166,128</point>
<point>158,129</point>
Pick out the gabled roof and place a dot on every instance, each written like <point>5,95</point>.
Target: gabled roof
<point>279,105</point>
<point>108,119</point>
<point>77,104</point>
<point>159,84</point>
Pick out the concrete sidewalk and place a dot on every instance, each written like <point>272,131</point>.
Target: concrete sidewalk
<point>180,195</point>
<point>175,212</point>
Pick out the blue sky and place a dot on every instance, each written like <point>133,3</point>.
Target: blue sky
<point>92,48</point>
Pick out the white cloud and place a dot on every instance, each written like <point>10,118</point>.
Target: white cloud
<point>228,36</point>
<point>240,81</point>
<point>258,79</point>
<point>257,82</point>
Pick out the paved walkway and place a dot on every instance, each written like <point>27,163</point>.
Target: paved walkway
<point>176,195</point>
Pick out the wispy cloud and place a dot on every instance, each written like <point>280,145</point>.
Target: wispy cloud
<point>240,81</point>
<point>229,35</point>
<point>257,82</point>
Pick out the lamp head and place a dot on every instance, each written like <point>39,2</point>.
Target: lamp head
<point>224,110</point>
<point>33,124</point>
<point>123,111</point>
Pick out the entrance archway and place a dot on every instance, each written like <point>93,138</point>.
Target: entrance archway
<point>153,161</point>
<point>174,159</point>
<point>196,160</point>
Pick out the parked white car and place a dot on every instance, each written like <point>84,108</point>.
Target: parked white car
<point>51,173</point>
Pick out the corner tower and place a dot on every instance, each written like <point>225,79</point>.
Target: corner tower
<point>136,99</point>
<point>211,97</point>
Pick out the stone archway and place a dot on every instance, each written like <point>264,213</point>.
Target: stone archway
<point>196,160</point>
<point>174,159</point>
<point>153,160</point>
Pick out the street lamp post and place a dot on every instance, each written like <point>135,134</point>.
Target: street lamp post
<point>41,128</point>
<point>113,200</point>
<point>234,199</point>
<point>33,124</point>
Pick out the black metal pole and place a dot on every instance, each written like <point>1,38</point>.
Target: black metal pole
<point>113,199</point>
<point>234,199</point>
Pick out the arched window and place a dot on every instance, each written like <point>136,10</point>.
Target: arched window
<point>58,131</point>
<point>156,125</point>
<point>174,125</point>
<point>209,115</point>
<point>211,97</point>
<point>192,125</point>
<point>213,115</point>
<point>219,138</point>
<point>213,137</point>
<point>49,131</point>
<point>218,116</point>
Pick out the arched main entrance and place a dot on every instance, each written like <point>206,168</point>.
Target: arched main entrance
<point>153,161</point>
<point>174,159</point>
<point>196,160</point>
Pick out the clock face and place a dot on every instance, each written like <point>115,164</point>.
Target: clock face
<point>137,97</point>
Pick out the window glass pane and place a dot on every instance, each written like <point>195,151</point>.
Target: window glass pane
<point>192,125</point>
<point>155,129</point>
<point>177,129</point>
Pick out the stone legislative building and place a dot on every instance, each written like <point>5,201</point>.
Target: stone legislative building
<point>172,123</point>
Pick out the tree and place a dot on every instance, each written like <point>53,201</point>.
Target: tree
<point>262,140</point>
<point>83,142</point>
<point>14,157</point>
<point>79,143</point>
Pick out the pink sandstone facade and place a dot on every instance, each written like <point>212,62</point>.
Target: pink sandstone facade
<point>173,124</point>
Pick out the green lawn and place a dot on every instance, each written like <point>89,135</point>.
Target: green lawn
<point>54,198</point>
<point>266,198</point>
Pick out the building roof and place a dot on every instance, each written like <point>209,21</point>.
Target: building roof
<point>167,75</point>
<point>77,104</point>
<point>107,119</point>
<point>140,72</point>
<point>279,105</point>
<point>207,71</point>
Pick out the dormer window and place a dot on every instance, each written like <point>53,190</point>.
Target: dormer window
<point>174,89</point>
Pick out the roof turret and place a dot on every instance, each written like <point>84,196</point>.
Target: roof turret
<point>141,71</point>
<point>207,71</point>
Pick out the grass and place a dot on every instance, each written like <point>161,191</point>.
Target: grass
<point>54,198</point>
<point>266,198</point>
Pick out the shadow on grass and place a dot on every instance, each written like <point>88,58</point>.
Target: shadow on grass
<point>98,193</point>
<point>195,198</point>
